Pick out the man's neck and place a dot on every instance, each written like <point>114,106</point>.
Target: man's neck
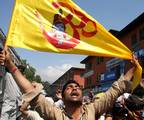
<point>74,110</point>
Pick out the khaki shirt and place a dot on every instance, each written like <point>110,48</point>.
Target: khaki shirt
<point>91,111</point>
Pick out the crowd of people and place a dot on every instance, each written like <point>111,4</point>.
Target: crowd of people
<point>117,103</point>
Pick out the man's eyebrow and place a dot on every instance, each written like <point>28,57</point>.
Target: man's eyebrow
<point>69,85</point>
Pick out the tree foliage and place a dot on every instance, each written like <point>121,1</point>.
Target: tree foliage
<point>30,72</point>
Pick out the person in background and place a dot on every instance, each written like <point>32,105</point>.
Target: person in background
<point>128,106</point>
<point>59,103</point>
<point>91,95</point>
<point>88,98</point>
<point>11,99</point>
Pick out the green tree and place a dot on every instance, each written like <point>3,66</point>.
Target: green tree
<point>30,72</point>
<point>38,78</point>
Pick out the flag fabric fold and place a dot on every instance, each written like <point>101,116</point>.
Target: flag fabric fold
<point>63,27</point>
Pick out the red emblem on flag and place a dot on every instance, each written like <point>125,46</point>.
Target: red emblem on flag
<point>57,36</point>
<point>60,39</point>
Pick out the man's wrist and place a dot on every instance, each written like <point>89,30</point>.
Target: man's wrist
<point>11,67</point>
<point>13,70</point>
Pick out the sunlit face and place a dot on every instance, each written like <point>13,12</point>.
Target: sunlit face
<point>73,93</point>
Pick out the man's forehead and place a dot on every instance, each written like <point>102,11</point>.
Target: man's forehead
<point>72,84</point>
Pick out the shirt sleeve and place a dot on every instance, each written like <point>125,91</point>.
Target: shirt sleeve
<point>45,108</point>
<point>33,115</point>
<point>39,102</point>
<point>105,102</point>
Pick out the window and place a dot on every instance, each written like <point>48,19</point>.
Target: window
<point>98,77</point>
<point>141,33</point>
<point>81,74</point>
<point>99,60</point>
<point>89,81</point>
<point>88,66</point>
<point>134,41</point>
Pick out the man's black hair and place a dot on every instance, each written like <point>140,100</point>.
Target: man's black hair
<point>67,83</point>
<point>134,102</point>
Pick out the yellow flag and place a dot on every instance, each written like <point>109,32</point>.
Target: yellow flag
<point>63,27</point>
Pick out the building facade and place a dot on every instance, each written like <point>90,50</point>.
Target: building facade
<point>102,72</point>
